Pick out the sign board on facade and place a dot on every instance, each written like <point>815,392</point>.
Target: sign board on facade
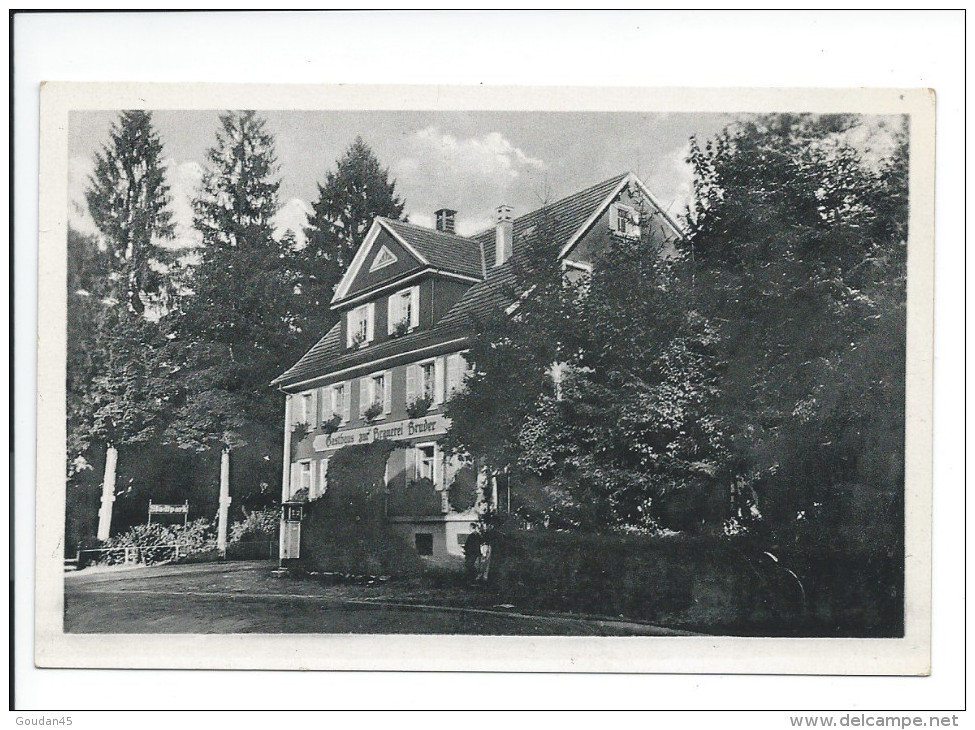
<point>413,428</point>
<point>291,512</point>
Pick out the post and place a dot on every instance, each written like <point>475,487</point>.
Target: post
<point>286,474</point>
<point>108,494</point>
<point>224,501</point>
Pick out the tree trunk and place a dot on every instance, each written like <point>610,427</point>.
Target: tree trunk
<point>108,494</point>
<point>224,502</point>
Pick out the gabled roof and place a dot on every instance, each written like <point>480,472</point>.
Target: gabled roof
<point>571,217</point>
<point>444,251</point>
<point>433,250</point>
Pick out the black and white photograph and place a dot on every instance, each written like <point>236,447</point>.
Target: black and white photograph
<point>454,372</point>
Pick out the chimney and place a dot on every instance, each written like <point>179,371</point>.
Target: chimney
<point>503,234</point>
<point>445,220</point>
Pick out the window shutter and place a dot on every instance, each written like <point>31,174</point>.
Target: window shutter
<point>388,395</point>
<point>411,378</point>
<point>392,313</point>
<point>438,375</point>
<point>415,307</point>
<point>313,409</point>
<point>437,471</point>
<point>614,217</point>
<point>348,328</point>
<point>410,469</point>
<point>312,484</point>
<point>363,395</point>
<point>294,485</point>
<point>346,400</point>
<point>371,322</point>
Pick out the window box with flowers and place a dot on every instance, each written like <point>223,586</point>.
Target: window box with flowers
<point>373,412</point>
<point>331,425</point>
<point>418,407</point>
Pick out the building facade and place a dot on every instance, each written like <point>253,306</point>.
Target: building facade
<point>406,307</point>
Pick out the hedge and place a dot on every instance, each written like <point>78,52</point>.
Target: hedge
<point>708,582</point>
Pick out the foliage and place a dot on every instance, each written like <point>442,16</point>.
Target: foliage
<point>510,355</point>
<point>234,329</point>
<point>256,525</point>
<point>799,241</point>
<point>195,537</point>
<point>330,425</point>
<point>128,199</point>
<point>346,529</point>
<point>354,193</point>
<point>463,490</point>
<point>418,407</point>
<point>593,396</point>
<point>400,328</point>
<point>300,431</point>
<point>373,411</point>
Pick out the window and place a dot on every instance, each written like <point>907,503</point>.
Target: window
<point>304,475</point>
<point>360,326</point>
<point>424,542</point>
<point>305,411</point>
<point>404,311</point>
<point>378,391</point>
<point>427,379</point>
<point>375,390</point>
<point>624,220</point>
<point>339,401</point>
<point>426,462</point>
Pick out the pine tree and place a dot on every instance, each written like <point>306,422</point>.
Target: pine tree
<point>357,191</point>
<point>128,198</point>
<point>233,331</point>
<point>112,382</point>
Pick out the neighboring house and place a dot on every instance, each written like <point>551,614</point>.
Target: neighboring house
<point>385,370</point>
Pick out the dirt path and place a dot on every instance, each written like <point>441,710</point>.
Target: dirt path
<point>245,598</point>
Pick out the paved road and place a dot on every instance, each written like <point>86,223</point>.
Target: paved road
<point>218,598</point>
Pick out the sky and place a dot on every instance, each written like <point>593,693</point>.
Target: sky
<point>469,161</point>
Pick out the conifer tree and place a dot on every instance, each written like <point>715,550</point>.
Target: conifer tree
<point>233,331</point>
<point>124,280</point>
<point>354,193</point>
<point>128,198</point>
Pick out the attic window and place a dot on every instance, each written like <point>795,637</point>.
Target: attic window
<point>384,258</point>
<point>624,220</point>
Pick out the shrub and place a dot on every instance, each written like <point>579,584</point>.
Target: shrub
<point>155,540</point>
<point>259,525</point>
<point>418,407</point>
<point>462,492</point>
<point>346,529</point>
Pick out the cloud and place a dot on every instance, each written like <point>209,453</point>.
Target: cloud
<point>470,174</point>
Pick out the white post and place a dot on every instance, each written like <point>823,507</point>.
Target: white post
<point>108,494</point>
<point>224,501</point>
<point>285,473</point>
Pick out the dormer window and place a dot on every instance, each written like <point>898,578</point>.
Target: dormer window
<point>624,220</point>
<point>404,311</point>
<point>360,330</point>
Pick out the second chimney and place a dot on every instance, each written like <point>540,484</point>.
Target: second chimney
<point>445,220</point>
<point>504,232</point>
